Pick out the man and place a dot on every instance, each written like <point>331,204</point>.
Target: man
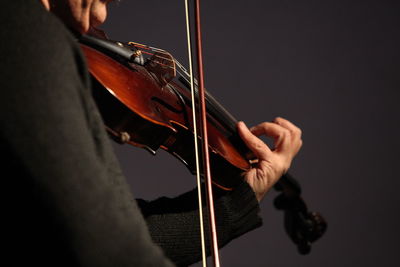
<point>67,202</point>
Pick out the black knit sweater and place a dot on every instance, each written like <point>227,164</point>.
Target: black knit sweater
<point>65,201</point>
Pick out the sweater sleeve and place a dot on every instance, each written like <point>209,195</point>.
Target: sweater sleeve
<point>174,222</point>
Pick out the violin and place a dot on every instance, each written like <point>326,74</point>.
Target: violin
<point>144,97</point>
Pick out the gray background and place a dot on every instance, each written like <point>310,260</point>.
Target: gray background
<point>332,68</point>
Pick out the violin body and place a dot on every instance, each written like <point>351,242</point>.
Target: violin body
<point>145,104</point>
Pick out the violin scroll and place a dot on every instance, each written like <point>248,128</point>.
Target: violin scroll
<point>302,226</point>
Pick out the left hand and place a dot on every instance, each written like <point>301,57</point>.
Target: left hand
<point>272,163</point>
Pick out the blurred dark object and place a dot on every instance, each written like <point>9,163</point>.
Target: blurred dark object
<point>303,227</point>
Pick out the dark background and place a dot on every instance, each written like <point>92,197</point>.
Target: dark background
<point>331,67</point>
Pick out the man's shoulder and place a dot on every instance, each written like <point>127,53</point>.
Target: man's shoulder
<point>39,55</point>
<point>27,26</point>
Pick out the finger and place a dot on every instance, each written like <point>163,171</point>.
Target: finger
<point>281,135</point>
<point>255,144</point>
<point>296,131</point>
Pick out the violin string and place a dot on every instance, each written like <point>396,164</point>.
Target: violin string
<point>153,54</point>
<point>196,145</point>
<point>172,59</point>
<point>148,47</point>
